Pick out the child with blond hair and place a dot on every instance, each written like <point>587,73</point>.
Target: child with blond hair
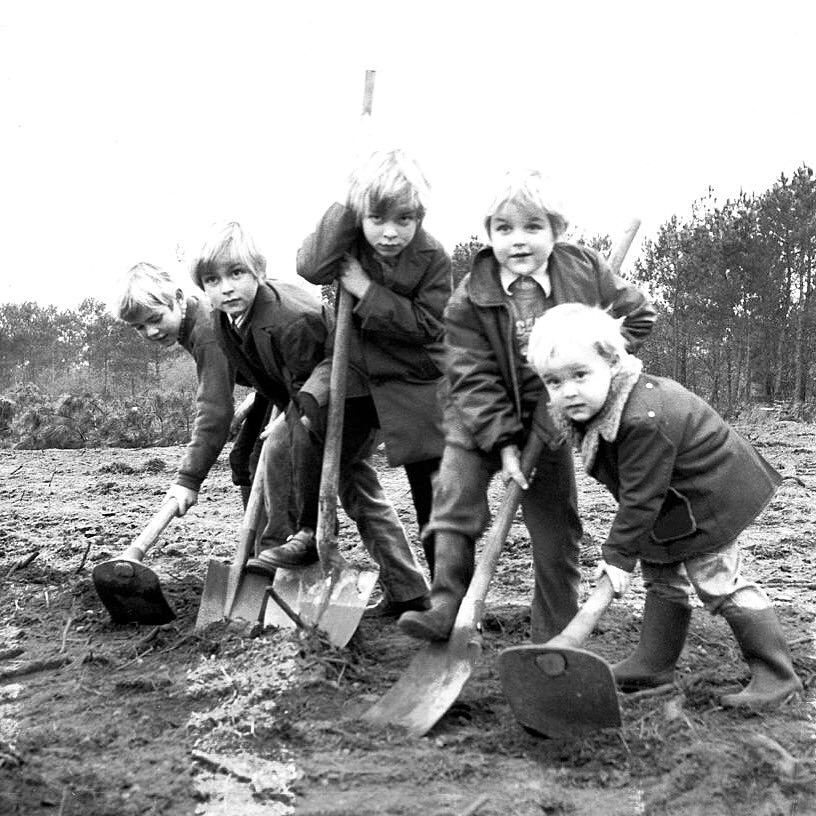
<point>274,334</point>
<point>686,484</point>
<point>492,394</point>
<point>156,305</point>
<point>375,246</point>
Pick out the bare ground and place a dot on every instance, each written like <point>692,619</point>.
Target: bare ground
<point>103,719</point>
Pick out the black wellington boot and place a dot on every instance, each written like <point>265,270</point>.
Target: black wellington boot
<point>665,626</point>
<point>453,569</point>
<point>765,649</point>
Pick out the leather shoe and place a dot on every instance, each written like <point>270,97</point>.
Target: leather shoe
<point>299,550</point>
<point>386,608</point>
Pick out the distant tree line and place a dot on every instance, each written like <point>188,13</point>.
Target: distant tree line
<point>733,282</point>
<point>734,286</point>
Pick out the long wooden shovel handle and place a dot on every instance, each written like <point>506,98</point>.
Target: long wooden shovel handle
<point>472,607</point>
<point>330,474</point>
<point>581,626</point>
<point>249,529</point>
<point>154,528</point>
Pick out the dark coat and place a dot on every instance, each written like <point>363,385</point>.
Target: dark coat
<point>396,352</point>
<point>282,340</point>
<point>686,482</point>
<point>213,400</point>
<point>485,407</point>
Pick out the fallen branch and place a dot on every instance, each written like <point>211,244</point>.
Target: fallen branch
<point>33,666</point>
<point>475,805</point>
<point>20,563</point>
<point>652,692</point>
<point>84,557</point>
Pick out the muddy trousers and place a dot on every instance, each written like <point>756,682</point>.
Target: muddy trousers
<point>364,501</point>
<point>420,479</point>
<point>550,512</point>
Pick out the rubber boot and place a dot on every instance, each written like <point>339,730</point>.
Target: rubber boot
<point>453,569</point>
<point>665,626</point>
<point>765,649</point>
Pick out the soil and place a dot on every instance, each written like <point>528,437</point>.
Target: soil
<point>98,718</point>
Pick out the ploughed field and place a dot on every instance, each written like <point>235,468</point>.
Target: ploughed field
<point>97,718</point>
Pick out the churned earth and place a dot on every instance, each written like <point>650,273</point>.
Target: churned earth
<point>97,718</point>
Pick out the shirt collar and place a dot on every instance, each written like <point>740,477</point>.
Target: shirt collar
<point>540,276</point>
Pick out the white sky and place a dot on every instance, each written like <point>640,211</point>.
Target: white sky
<point>126,129</point>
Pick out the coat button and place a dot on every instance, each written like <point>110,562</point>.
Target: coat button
<point>650,385</point>
<point>650,414</point>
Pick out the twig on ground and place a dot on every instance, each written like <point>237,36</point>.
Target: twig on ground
<point>20,563</point>
<point>65,633</point>
<point>7,654</point>
<point>652,692</point>
<point>475,805</point>
<point>32,666</point>
<point>19,467</point>
<point>84,557</point>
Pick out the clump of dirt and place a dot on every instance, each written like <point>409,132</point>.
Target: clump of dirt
<point>98,719</point>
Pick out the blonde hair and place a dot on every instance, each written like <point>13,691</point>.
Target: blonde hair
<point>385,179</point>
<point>228,243</point>
<point>527,189</point>
<point>575,324</point>
<point>143,289</point>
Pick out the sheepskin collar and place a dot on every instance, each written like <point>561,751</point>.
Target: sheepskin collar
<point>606,422</point>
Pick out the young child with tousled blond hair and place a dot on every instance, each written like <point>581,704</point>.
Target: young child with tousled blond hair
<point>686,484</point>
<point>375,246</point>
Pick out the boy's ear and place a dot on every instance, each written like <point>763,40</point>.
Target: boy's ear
<point>179,295</point>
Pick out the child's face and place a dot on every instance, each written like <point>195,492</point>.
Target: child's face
<point>159,324</point>
<point>578,380</point>
<point>522,238</point>
<point>390,232</point>
<point>230,286</point>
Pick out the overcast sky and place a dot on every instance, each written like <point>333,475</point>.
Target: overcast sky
<point>126,129</point>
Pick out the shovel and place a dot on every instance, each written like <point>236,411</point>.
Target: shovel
<point>557,689</point>
<point>130,591</point>
<point>437,674</point>
<point>331,595</point>
<point>230,591</point>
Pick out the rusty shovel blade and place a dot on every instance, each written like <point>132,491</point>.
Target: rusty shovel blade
<point>333,601</point>
<point>131,592</point>
<point>429,686</point>
<point>559,691</point>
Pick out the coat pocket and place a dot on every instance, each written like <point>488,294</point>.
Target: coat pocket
<point>675,520</point>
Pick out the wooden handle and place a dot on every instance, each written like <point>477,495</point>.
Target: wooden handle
<point>154,528</point>
<point>618,252</point>
<point>249,527</point>
<point>330,474</point>
<point>580,627</point>
<point>368,93</point>
<point>470,611</point>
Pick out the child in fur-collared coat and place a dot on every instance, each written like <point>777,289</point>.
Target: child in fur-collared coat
<point>687,485</point>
